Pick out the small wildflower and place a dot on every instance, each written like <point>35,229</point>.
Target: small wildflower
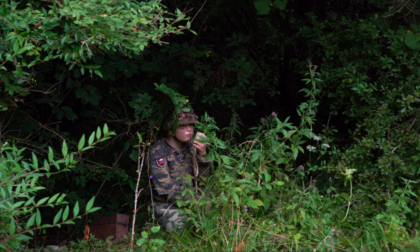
<point>151,176</point>
<point>330,179</point>
<point>315,207</point>
<point>319,212</point>
<point>326,146</point>
<point>309,234</point>
<point>273,114</point>
<point>274,224</point>
<point>310,148</point>
<point>245,206</point>
<point>317,138</point>
<point>246,209</point>
<point>301,167</point>
<point>229,234</point>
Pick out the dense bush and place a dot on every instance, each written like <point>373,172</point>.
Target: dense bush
<point>19,187</point>
<point>346,158</point>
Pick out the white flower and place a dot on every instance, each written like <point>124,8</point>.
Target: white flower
<point>317,138</point>
<point>326,146</point>
<point>310,148</point>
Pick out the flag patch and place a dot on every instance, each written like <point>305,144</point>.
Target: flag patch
<point>161,161</point>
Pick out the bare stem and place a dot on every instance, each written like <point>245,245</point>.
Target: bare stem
<point>136,195</point>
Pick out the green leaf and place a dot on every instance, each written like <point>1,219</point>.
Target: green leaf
<point>227,179</point>
<point>81,143</point>
<point>345,196</point>
<point>12,226</point>
<point>42,201</point>
<point>50,154</point>
<point>267,176</point>
<point>412,41</point>
<point>53,198</point>
<point>180,203</point>
<point>280,4</point>
<point>22,50</point>
<point>38,218</point>
<point>278,183</point>
<point>35,160</point>
<point>61,198</point>
<point>155,229</point>
<point>30,222</point>
<point>98,133</point>
<point>262,6</point>
<point>235,199</point>
<point>87,148</point>
<point>90,204</point>
<point>105,129</point>
<point>76,209</point>
<point>144,234</point>
<point>22,237</point>
<point>141,241</point>
<point>57,216</point>
<point>66,213</point>
<point>98,73</point>
<point>140,138</point>
<point>64,149</point>
<point>91,138</point>
<point>94,209</point>
<point>295,151</point>
<point>258,202</point>
<point>17,204</point>
<point>16,46</point>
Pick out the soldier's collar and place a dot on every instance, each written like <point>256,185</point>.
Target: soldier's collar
<point>172,150</point>
<point>186,145</point>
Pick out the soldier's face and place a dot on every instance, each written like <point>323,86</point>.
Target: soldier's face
<point>185,132</point>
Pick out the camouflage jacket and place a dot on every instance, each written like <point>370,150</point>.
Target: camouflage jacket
<point>167,164</point>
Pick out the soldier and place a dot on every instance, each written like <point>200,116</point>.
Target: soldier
<point>170,160</point>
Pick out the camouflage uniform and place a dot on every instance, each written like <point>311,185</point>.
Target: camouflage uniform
<point>168,168</point>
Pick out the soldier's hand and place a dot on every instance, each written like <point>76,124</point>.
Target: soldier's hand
<point>201,147</point>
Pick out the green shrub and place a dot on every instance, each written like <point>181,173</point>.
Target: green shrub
<point>20,213</point>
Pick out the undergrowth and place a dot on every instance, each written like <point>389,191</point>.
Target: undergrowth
<point>285,188</point>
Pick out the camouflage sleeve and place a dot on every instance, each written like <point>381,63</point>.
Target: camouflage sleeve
<point>159,171</point>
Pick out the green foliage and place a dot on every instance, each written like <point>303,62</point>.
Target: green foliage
<point>74,31</point>
<point>258,198</point>
<point>242,64</point>
<point>147,243</point>
<point>371,76</point>
<point>19,186</point>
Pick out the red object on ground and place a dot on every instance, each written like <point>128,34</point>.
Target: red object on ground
<point>240,247</point>
<point>115,225</point>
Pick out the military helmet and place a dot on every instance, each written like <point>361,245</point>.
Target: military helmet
<point>184,118</point>
<point>187,118</point>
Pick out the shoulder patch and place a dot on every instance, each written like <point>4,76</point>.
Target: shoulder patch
<point>161,161</point>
